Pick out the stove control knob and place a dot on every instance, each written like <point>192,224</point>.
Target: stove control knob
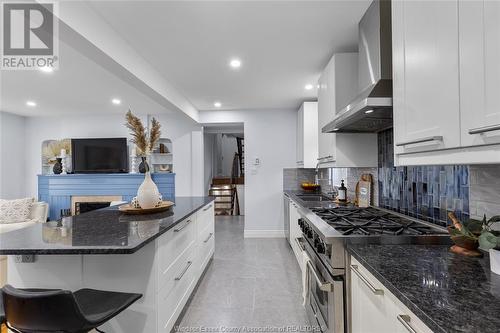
<point>301,224</point>
<point>316,241</point>
<point>309,232</point>
<point>320,247</point>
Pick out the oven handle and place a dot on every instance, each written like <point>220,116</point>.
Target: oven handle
<point>374,290</point>
<point>299,244</point>
<point>325,286</point>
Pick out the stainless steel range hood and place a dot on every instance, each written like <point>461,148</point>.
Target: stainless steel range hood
<point>371,110</point>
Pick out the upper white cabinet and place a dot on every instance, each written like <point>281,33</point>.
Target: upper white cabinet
<point>446,75</point>
<point>337,86</point>
<point>425,75</point>
<point>307,139</point>
<point>479,71</point>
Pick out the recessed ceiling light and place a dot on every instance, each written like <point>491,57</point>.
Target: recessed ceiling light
<point>30,103</point>
<point>235,63</point>
<point>308,86</point>
<point>46,69</point>
<point>116,101</point>
<point>217,104</point>
<point>368,111</point>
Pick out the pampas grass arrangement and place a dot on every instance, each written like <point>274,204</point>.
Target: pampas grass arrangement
<point>144,142</point>
<point>53,149</point>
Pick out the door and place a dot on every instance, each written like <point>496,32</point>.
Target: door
<point>426,82</point>
<point>479,71</point>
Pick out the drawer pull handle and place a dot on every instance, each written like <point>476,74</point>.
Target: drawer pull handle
<point>299,244</point>
<point>209,236</point>
<point>207,208</point>
<point>374,290</point>
<point>185,225</point>
<point>405,321</point>
<point>484,129</point>
<point>325,157</point>
<point>184,271</point>
<point>422,140</point>
<point>323,285</point>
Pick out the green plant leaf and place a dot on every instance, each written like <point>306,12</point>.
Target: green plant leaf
<point>473,226</point>
<point>487,240</point>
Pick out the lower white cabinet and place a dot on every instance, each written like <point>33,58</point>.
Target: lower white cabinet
<point>374,309</point>
<point>295,232</point>
<point>188,247</point>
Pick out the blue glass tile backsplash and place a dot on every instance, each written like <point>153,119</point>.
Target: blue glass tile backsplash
<point>425,192</point>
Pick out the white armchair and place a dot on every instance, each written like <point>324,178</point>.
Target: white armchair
<point>38,213</point>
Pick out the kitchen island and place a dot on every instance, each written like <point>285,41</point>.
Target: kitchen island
<point>446,291</point>
<point>161,256</point>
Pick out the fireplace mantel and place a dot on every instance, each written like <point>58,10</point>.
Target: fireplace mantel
<point>57,190</point>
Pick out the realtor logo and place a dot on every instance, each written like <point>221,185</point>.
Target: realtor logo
<point>29,36</point>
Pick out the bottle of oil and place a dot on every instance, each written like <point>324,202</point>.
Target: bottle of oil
<point>342,196</point>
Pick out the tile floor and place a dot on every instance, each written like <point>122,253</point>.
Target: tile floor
<point>251,283</point>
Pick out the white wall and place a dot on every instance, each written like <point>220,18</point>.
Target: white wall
<point>269,136</point>
<point>178,127</point>
<point>226,154</point>
<point>12,163</point>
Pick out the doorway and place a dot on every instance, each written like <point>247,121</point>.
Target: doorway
<point>224,169</point>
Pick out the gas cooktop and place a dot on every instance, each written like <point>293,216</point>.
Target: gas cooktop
<point>371,221</point>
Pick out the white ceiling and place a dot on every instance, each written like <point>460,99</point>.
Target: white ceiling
<point>283,45</point>
<point>80,86</point>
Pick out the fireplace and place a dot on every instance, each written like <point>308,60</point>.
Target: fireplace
<point>87,203</point>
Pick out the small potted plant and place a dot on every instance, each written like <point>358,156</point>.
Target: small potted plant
<point>490,240</point>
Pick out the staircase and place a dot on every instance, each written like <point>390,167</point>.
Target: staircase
<point>226,199</point>
<point>241,154</point>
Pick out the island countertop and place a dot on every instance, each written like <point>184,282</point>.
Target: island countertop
<point>104,231</point>
<point>448,292</point>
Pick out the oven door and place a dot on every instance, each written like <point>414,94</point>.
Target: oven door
<point>325,304</point>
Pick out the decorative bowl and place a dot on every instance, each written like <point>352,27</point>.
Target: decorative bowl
<point>463,241</point>
<point>309,187</point>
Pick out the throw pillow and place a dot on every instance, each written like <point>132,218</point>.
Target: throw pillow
<point>14,211</point>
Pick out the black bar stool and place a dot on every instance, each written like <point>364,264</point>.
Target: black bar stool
<point>55,310</point>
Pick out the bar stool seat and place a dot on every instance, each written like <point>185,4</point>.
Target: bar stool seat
<point>49,310</point>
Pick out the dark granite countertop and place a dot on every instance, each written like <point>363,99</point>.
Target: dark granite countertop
<point>104,231</point>
<point>448,292</point>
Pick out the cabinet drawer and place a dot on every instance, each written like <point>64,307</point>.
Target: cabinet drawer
<point>175,241</point>
<point>206,247</point>
<point>177,289</point>
<point>167,277</point>
<point>205,217</point>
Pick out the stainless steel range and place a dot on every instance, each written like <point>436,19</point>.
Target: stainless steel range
<point>326,233</point>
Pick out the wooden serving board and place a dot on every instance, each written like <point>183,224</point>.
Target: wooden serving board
<point>129,209</point>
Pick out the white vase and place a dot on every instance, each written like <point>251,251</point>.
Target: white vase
<point>495,261</point>
<point>148,194</point>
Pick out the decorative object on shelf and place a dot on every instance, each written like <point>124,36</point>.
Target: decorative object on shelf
<point>51,150</point>
<point>63,162</point>
<point>129,209</point>
<point>465,236</point>
<point>164,149</point>
<point>143,166</point>
<point>133,155</point>
<point>57,169</point>
<point>490,240</point>
<point>164,168</point>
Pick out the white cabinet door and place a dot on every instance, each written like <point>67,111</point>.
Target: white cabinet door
<point>300,137</point>
<point>326,94</point>
<point>307,138</point>
<point>370,308</point>
<point>426,83</point>
<point>479,71</point>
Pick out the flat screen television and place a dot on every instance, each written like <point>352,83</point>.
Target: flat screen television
<point>107,155</point>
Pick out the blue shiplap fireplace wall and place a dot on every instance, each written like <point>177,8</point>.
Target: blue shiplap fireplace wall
<point>57,190</point>
<point>426,192</point>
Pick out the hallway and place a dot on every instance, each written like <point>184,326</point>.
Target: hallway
<point>251,283</point>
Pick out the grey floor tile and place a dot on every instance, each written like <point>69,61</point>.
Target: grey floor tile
<point>251,283</point>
